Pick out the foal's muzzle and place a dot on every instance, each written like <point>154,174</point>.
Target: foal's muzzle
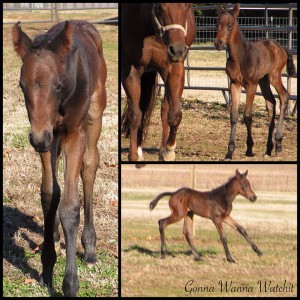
<point>219,44</point>
<point>252,198</point>
<point>41,142</point>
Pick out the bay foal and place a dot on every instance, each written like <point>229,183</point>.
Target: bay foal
<point>250,64</point>
<point>215,205</point>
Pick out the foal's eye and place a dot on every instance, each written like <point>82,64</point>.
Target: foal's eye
<point>59,87</point>
<point>229,26</point>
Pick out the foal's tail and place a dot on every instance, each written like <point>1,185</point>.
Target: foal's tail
<point>155,201</point>
<point>148,95</point>
<point>291,69</point>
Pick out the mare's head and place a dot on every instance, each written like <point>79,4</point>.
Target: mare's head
<point>226,26</point>
<point>170,20</point>
<point>42,81</point>
<point>243,186</point>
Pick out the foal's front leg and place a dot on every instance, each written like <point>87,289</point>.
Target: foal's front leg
<point>229,221</point>
<point>219,226</point>
<point>50,196</point>
<point>251,90</point>
<point>171,114</point>
<point>73,146</point>
<point>235,90</point>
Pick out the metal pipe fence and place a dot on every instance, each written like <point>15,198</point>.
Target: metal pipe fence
<point>55,8</point>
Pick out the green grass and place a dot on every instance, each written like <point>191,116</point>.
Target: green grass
<point>103,277</point>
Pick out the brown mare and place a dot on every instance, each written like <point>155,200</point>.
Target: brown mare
<point>215,205</point>
<point>155,37</point>
<point>63,81</point>
<point>250,64</point>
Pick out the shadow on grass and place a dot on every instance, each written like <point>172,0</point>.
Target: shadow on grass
<point>156,254</point>
<point>17,256</point>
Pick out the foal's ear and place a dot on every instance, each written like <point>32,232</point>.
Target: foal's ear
<point>61,44</point>
<point>237,174</point>
<point>22,43</point>
<point>245,174</point>
<point>219,10</point>
<point>236,10</point>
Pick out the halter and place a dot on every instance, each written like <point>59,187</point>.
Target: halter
<point>163,29</point>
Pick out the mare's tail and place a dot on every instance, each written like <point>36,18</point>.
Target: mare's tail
<point>155,201</point>
<point>290,67</point>
<point>148,96</point>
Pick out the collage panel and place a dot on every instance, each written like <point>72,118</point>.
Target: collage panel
<point>199,83</point>
<point>149,150</point>
<point>207,230</point>
<point>60,175</point>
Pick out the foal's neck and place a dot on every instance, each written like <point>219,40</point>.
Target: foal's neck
<point>237,45</point>
<point>231,190</point>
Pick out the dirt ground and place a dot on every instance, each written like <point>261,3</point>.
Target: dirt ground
<point>204,130</point>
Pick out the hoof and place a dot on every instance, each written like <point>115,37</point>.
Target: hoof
<point>168,155</point>
<point>228,157</point>
<point>230,259</point>
<point>140,154</point>
<point>249,154</point>
<point>198,258</point>
<point>90,259</point>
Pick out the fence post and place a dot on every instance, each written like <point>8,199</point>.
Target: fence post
<point>289,79</point>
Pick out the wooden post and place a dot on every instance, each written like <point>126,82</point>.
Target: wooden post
<point>194,187</point>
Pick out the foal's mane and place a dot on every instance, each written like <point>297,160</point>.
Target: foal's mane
<point>222,188</point>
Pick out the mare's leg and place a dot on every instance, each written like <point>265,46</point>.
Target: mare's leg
<point>188,233</point>
<point>229,221</point>
<point>264,84</point>
<point>73,146</point>
<point>219,226</point>
<point>89,168</point>
<point>174,82</point>
<point>50,196</point>
<point>132,88</point>
<point>235,90</point>
<point>284,96</point>
<point>251,90</point>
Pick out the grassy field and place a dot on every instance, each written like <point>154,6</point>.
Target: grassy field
<point>23,218</point>
<point>270,222</point>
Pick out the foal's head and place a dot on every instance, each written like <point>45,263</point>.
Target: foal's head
<point>226,25</point>
<point>42,81</point>
<point>243,186</point>
<point>171,21</point>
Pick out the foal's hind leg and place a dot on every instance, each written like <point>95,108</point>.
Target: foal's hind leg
<point>88,171</point>
<point>229,221</point>
<point>283,95</point>
<point>264,84</point>
<point>187,231</point>
<point>176,215</point>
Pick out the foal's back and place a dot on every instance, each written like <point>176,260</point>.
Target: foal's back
<point>261,59</point>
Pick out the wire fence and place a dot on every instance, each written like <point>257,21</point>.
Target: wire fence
<point>202,73</point>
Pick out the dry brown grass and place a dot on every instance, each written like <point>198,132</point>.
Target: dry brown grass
<point>23,220</point>
<point>271,222</point>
